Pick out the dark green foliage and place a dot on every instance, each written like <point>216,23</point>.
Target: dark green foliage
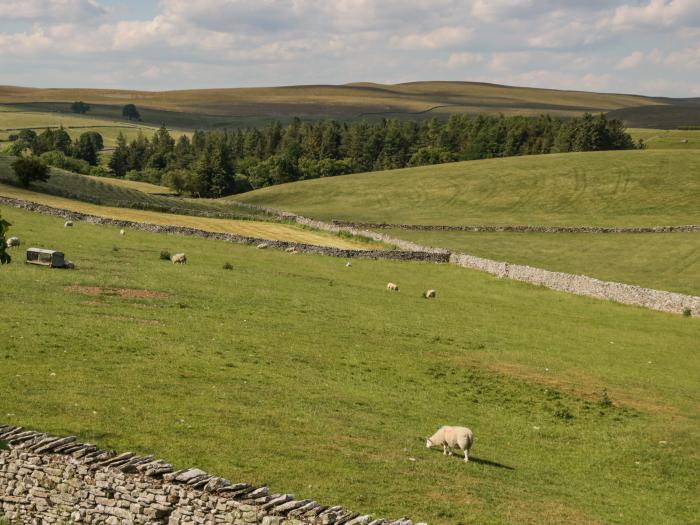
<point>228,266</point>
<point>275,154</point>
<point>4,256</point>
<point>165,255</point>
<point>687,312</point>
<point>88,146</point>
<point>80,107</point>
<point>29,169</point>
<point>58,159</point>
<point>129,111</point>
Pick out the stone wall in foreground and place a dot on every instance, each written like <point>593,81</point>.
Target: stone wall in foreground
<point>50,480</point>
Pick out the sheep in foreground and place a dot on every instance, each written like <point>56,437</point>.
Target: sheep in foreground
<point>179,258</point>
<point>430,294</point>
<point>121,232</point>
<point>348,264</point>
<point>12,242</point>
<point>392,287</point>
<point>68,224</point>
<point>450,437</point>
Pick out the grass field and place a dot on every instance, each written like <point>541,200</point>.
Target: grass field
<point>250,228</point>
<point>12,119</point>
<point>662,261</point>
<point>613,188</point>
<point>306,375</point>
<point>667,139</point>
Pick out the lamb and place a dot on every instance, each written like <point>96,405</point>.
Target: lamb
<point>68,224</point>
<point>430,294</point>
<point>12,242</point>
<point>348,264</point>
<point>179,258</point>
<point>121,232</point>
<point>450,437</point>
<point>392,287</point>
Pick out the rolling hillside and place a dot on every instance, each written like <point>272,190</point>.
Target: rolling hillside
<point>249,106</point>
<point>616,188</point>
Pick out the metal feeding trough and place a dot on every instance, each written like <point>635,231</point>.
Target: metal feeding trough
<point>50,258</point>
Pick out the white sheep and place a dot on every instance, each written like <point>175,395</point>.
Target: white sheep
<point>121,232</point>
<point>262,246</point>
<point>291,249</point>
<point>348,264</point>
<point>68,224</point>
<point>450,437</point>
<point>179,258</point>
<point>392,287</point>
<point>12,242</point>
<point>430,294</point>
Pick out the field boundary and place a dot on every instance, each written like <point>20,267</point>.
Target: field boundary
<point>56,480</point>
<point>584,285</point>
<point>520,228</point>
<point>408,255</point>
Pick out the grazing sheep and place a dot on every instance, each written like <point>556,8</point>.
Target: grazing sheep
<point>430,294</point>
<point>392,287</point>
<point>262,246</point>
<point>291,249</point>
<point>450,437</point>
<point>179,258</point>
<point>348,264</point>
<point>121,232</point>
<point>12,242</point>
<point>68,224</point>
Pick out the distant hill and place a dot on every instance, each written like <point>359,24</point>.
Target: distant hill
<point>251,106</point>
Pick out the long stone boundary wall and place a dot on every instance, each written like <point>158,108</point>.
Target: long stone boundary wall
<point>52,480</point>
<point>407,255</point>
<point>520,228</point>
<point>565,282</point>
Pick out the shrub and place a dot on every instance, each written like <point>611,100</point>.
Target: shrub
<point>686,312</point>
<point>58,159</point>
<point>228,266</point>
<point>30,169</point>
<point>165,255</point>
<point>100,171</point>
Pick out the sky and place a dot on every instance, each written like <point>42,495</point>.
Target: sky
<point>649,47</point>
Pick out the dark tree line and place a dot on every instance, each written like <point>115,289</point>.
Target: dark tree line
<point>217,163</point>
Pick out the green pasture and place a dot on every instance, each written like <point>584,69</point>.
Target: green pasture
<point>40,117</point>
<point>611,188</point>
<point>665,261</point>
<point>667,138</point>
<point>304,374</point>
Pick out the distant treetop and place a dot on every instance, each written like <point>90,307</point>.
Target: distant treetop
<point>80,107</point>
<point>129,111</point>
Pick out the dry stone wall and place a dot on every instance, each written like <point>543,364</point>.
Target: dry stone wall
<point>405,255</point>
<point>51,480</point>
<point>520,228</point>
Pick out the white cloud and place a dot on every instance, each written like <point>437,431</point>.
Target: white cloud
<point>439,38</point>
<point>464,59</point>
<point>64,10</point>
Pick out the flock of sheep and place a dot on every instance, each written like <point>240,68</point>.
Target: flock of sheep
<point>448,437</point>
